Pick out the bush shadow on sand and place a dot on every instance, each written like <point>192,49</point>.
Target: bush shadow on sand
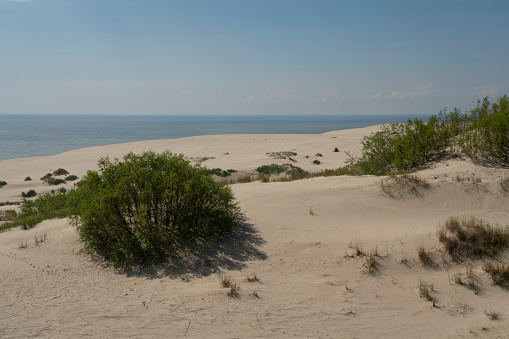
<point>200,260</point>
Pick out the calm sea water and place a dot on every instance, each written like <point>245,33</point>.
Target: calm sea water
<point>24,136</point>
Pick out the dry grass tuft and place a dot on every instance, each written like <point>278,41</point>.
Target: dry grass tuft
<point>472,238</point>
<point>425,290</point>
<point>38,238</point>
<point>23,244</point>
<point>492,314</point>
<point>226,281</point>
<point>234,291</point>
<point>424,256</point>
<point>255,294</point>
<point>370,262</point>
<point>252,278</point>
<point>499,273</point>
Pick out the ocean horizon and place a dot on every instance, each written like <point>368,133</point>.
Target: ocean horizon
<point>23,136</point>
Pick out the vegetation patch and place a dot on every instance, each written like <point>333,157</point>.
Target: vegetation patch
<point>71,177</point>
<point>2,183</point>
<point>472,238</point>
<point>7,215</point>
<point>28,179</point>
<point>149,207</point>
<point>32,212</point>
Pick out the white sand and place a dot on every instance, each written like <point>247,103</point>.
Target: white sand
<point>311,284</point>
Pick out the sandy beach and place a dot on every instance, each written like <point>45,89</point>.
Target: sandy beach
<point>305,241</point>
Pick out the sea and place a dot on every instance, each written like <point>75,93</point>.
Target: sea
<point>23,136</point>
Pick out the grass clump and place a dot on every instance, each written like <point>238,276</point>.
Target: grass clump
<point>150,207</point>
<point>60,171</point>
<point>2,183</point>
<point>29,194</point>
<point>316,162</point>
<point>71,177</point>
<point>28,179</point>
<point>472,238</point>
<point>499,273</point>
<point>48,178</point>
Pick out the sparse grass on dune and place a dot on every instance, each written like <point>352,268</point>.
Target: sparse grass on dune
<point>404,185</point>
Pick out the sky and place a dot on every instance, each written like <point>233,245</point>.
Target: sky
<point>273,57</point>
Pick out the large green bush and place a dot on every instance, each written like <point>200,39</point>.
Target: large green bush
<point>482,134</point>
<point>147,207</point>
<point>488,139</point>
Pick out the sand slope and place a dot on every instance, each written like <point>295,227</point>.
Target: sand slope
<point>297,237</point>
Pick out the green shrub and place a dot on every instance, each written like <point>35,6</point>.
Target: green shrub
<point>28,194</point>
<point>2,183</point>
<point>28,179</point>
<point>60,171</point>
<point>316,162</point>
<point>336,149</point>
<point>71,177</point>
<point>149,206</point>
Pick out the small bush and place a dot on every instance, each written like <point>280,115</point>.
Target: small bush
<point>318,155</point>
<point>60,171</point>
<point>316,162</point>
<point>71,177</point>
<point>28,194</point>
<point>336,149</point>
<point>7,215</point>
<point>149,207</point>
<point>28,179</point>
<point>472,238</point>
<point>2,183</point>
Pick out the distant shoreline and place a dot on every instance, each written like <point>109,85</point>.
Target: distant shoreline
<point>27,136</point>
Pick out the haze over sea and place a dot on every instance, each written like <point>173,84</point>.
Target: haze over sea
<point>24,136</point>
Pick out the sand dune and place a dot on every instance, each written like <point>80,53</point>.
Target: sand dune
<point>298,238</point>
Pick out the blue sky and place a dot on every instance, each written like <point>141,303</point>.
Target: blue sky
<point>250,57</point>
